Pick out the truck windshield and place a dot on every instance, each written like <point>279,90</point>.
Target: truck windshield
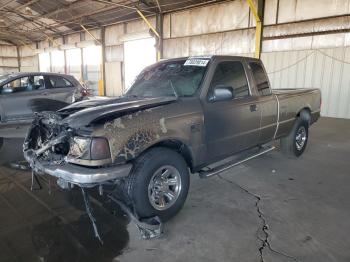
<point>174,78</point>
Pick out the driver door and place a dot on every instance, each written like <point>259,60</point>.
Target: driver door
<point>231,125</point>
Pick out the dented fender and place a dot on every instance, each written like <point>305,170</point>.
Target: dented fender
<point>131,134</point>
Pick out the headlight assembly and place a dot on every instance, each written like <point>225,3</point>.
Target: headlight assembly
<point>92,151</point>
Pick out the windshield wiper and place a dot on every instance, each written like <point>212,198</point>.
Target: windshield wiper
<point>172,86</point>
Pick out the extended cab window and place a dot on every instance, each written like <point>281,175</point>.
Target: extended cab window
<point>59,82</point>
<point>262,83</point>
<point>231,74</point>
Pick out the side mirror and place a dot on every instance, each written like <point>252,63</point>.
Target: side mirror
<point>221,93</point>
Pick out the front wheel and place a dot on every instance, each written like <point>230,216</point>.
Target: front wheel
<point>158,184</point>
<point>295,143</point>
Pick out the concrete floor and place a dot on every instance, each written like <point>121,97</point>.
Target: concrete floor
<point>271,209</point>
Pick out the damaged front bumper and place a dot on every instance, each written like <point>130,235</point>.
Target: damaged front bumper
<point>46,147</point>
<point>79,175</point>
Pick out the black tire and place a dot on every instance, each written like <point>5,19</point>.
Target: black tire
<point>289,145</point>
<point>145,168</point>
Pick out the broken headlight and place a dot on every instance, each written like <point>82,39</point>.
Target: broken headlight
<point>92,151</point>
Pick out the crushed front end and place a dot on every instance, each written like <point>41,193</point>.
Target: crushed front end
<point>73,156</point>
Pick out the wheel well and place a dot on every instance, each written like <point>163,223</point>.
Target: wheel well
<point>179,147</point>
<point>305,113</point>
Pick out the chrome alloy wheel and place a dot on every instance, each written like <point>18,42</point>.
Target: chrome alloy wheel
<point>164,187</point>
<point>300,138</point>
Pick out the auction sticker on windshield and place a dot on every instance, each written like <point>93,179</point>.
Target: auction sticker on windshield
<point>196,62</point>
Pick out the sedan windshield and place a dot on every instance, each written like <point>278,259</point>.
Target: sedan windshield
<point>174,78</point>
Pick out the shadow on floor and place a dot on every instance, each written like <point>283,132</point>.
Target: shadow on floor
<point>38,226</point>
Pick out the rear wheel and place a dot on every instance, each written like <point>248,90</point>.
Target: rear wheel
<point>158,184</point>
<point>295,143</point>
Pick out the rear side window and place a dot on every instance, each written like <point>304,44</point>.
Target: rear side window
<point>38,82</point>
<point>59,82</point>
<point>262,83</point>
<point>231,74</point>
<point>18,85</point>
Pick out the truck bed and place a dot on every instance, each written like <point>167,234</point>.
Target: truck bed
<point>293,91</point>
<point>292,101</point>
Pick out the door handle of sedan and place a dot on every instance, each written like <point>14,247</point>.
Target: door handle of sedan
<point>253,108</point>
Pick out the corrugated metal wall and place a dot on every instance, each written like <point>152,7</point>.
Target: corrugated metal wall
<point>306,43</point>
<point>327,69</point>
<point>298,52</point>
<point>8,59</point>
<point>29,61</point>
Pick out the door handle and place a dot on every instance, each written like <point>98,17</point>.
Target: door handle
<point>45,93</point>
<point>253,108</point>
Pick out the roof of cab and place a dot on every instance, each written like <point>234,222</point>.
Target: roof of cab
<point>212,57</point>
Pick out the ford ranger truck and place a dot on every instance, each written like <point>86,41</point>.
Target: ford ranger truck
<point>178,117</point>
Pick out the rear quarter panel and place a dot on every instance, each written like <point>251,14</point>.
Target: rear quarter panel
<point>292,102</point>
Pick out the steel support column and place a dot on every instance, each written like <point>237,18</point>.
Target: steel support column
<point>159,45</point>
<point>18,58</point>
<point>259,19</point>
<point>102,83</point>
<point>159,36</point>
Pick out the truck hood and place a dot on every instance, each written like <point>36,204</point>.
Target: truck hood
<point>84,113</point>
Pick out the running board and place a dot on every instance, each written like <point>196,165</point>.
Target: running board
<point>226,166</point>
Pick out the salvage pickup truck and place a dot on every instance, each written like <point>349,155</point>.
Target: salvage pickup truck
<point>179,117</point>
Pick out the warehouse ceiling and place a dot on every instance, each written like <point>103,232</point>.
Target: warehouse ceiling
<point>28,21</point>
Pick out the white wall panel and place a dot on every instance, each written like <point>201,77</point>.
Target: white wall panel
<point>95,32</point>
<point>327,69</point>
<point>8,70</point>
<point>313,26</point>
<point>8,51</point>
<point>139,25</point>
<point>29,61</point>
<point>73,38</point>
<point>114,53</point>
<point>9,61</point>
<point>28,50</point>
<point>166,26</point>
<point>176,47</point>
<point>43,44</point>
<point>307,42</point>
<point>270,12</point>
<point>113,33</point>
<point>227,43</point>
<point>296,10</point>
<point>214,18</point>
<point>114,85</point>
